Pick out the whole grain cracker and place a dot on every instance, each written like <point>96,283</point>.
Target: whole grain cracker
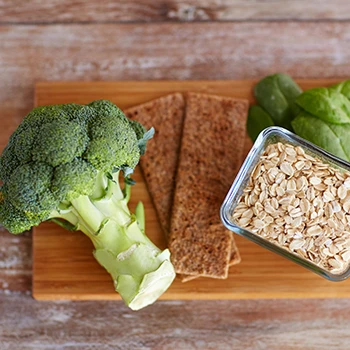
<point>159,164</point>
<point>235,259</point>
<point>211,154</point>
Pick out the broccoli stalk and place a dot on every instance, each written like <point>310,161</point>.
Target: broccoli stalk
<point>71,176</point>
<point>140,271</point>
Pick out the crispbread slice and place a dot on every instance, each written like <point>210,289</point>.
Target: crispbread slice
<point>211,154</point>
<point>235,259</point>
<point>235,256</point>
<point>208,254</point>
<point>159,164</point>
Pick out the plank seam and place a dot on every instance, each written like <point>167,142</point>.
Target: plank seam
<point>152,22</point>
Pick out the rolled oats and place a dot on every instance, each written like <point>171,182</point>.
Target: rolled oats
<point>301,204</point>
<point>287,169</point>
<point>346,207</point>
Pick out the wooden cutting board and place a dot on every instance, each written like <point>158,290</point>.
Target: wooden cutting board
<point>63,265</point>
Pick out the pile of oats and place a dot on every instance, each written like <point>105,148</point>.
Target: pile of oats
<point>301,204</point>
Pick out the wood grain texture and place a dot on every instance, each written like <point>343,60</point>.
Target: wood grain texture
<point>210,325</point>
<point>162,51</point>
<point>78,11</point>
<point>15,262</point>
<point>63,266</point>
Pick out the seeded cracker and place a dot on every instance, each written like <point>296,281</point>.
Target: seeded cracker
<point>159,164</point>
<point>211,154</point>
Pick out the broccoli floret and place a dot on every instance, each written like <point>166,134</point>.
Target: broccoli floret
<point>139,129</point>
<point>8,162</point>
<point>106,108</point>
<point>17,152</point>
<point>70,142</point>
<point>13,219</point>
<point>22,140</point>
<point>63,164</point>
<point>100,154</point>
<point>78,113</point>
<point>73,179</point>
<point>44,114</point>
<point>29,188</point>
<point>113,142</point>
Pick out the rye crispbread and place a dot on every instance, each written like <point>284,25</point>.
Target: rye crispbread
<point>211,154</point>
<point>159,164</point>
<point>235,259</point>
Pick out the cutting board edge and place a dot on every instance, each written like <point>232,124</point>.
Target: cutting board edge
<point>157,81</point>
<point>193,296</point>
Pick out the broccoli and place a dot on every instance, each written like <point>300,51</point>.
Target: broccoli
<point>63,164</point>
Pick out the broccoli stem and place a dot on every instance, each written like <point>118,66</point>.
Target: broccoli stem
<point>140,215</point>
<point>141,272</point>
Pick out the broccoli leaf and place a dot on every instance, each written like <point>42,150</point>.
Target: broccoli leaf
<point>143,141</point>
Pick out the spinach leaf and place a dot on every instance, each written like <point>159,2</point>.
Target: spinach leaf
<point>327,104</point>
<point>343,88</point>
<point>257,121</point>
<point>276,94</point>
<point>331,137</point>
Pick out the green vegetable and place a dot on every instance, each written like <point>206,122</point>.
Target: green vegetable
<point>320,115</point>
<point>343,88</point>
<point>142,135</point>
<point>63,164</point>
<point>326,104</point>
<point>257,121</point>
<point>276,95</point>
<point>331,137</point>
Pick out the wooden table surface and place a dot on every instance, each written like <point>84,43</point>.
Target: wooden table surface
<point>170,39</point>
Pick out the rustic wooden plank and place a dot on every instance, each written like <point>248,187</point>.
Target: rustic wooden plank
<point>157,51</point>
<point>225,51</point>
<point>224,325</point>
<point>78,11</point>
<point>15,262</point>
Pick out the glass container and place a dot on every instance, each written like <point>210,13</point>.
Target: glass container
<point>266,137</point>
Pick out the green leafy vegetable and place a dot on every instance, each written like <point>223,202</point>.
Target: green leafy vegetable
<point>63,163</point>
<point>343,88</point>
<point>320,115</point>
<point>257,121</point>
<point>276,95</point>
<point>331,137</point>
<point>326,104</point>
